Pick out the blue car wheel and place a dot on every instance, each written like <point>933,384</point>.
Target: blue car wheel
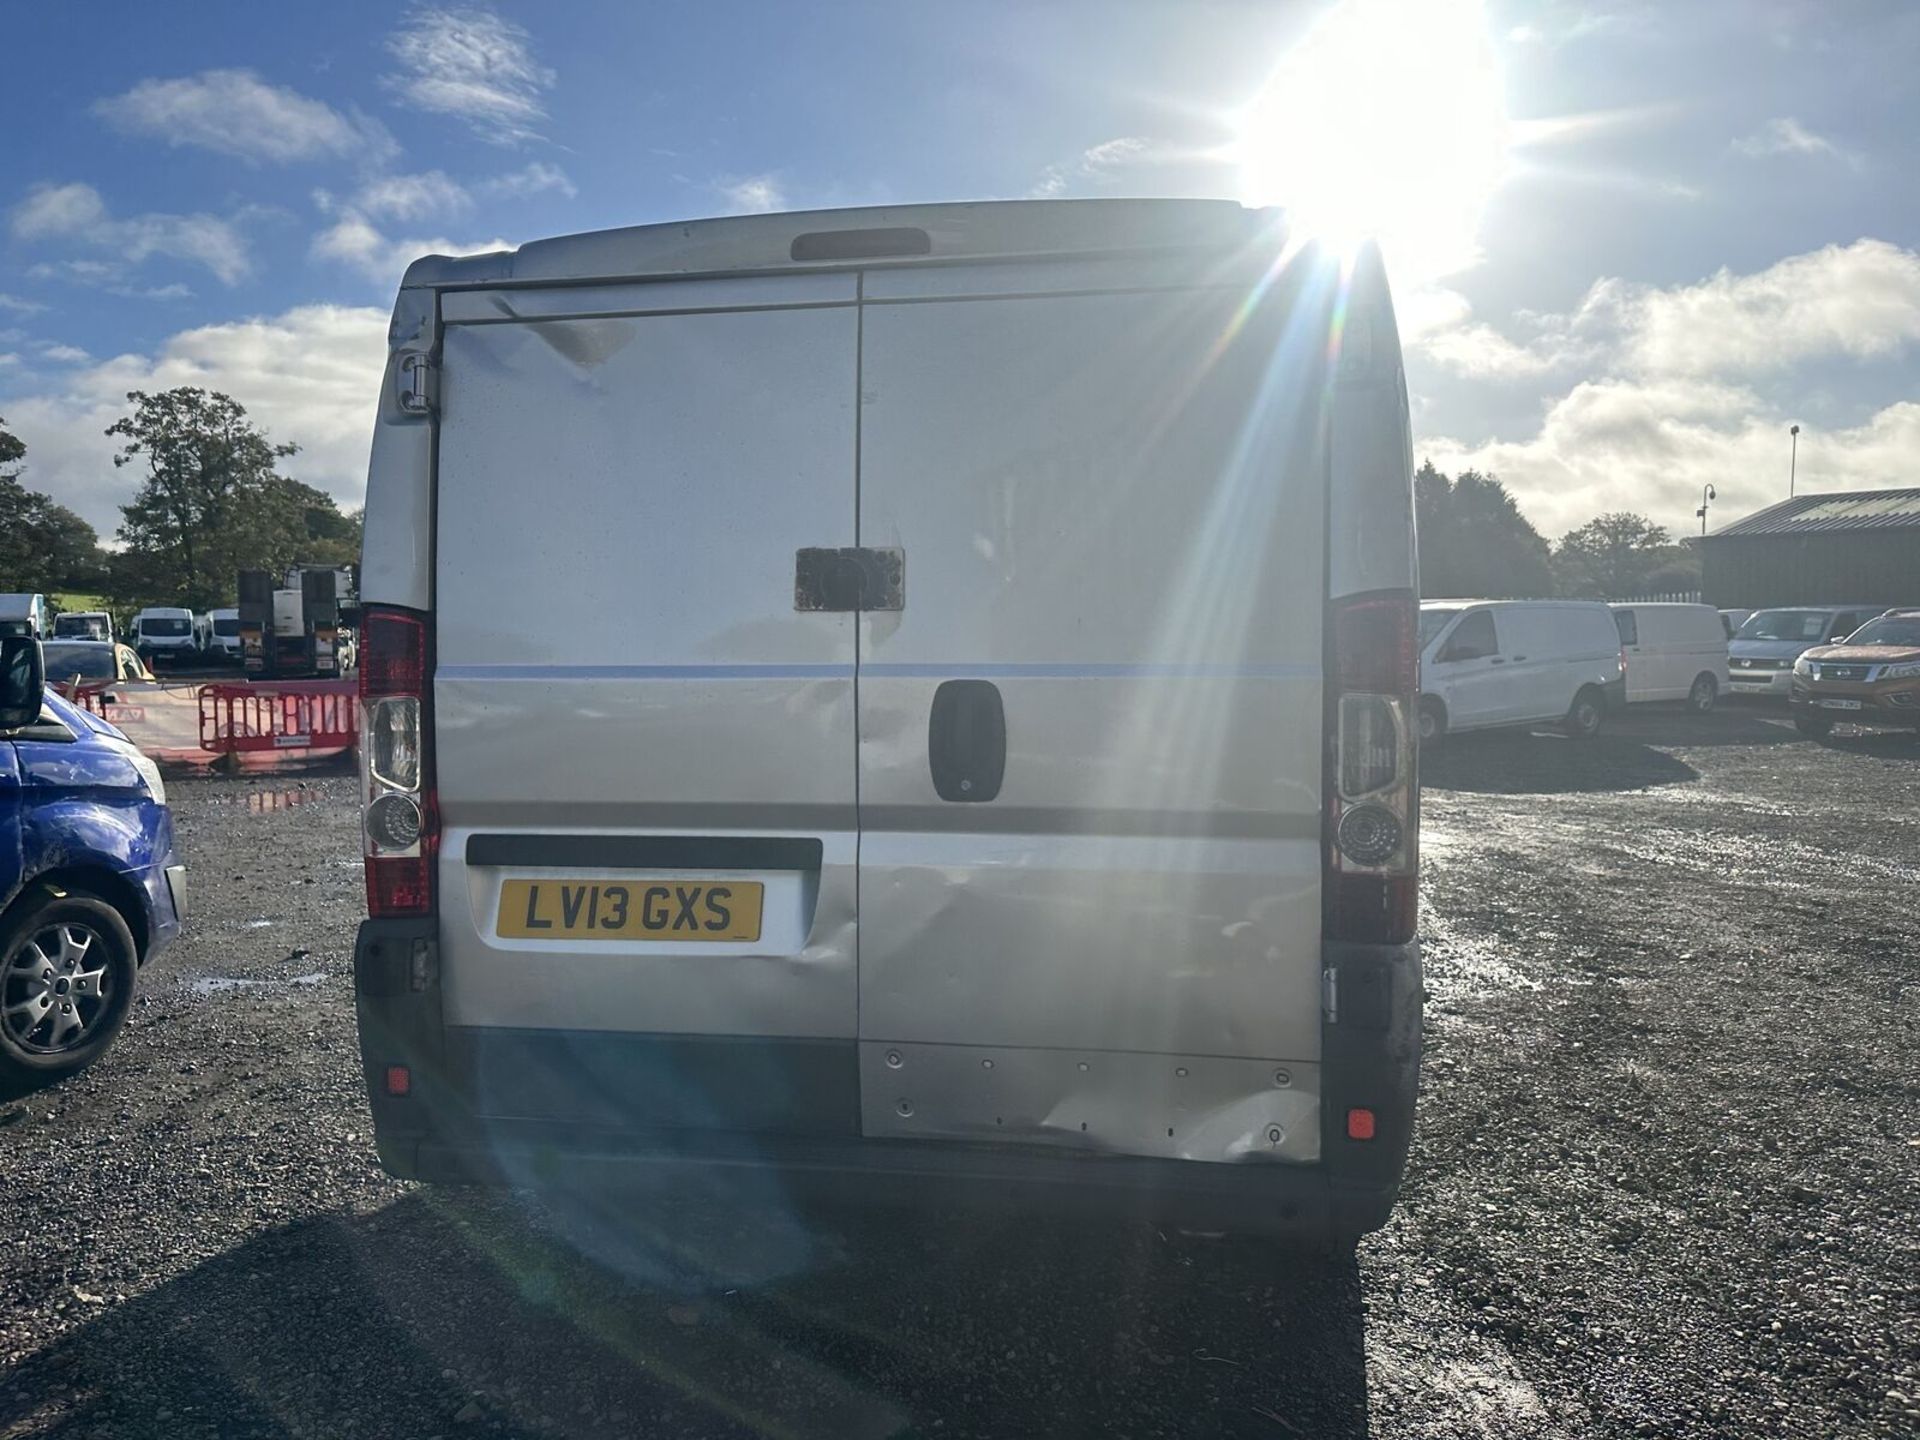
<point>67,975</point>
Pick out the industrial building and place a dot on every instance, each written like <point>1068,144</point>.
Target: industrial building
<point>1852,546</point>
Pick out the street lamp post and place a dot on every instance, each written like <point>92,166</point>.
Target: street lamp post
<point>1793,459</point>
<point>1707,496</point>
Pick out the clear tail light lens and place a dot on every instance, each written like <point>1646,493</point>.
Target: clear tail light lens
<point>1372,841</point>
<point>400,821</point>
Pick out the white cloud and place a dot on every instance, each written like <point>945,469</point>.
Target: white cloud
<point>1787,136</point>
<point>1100,165</point>
<point>1648,446</point>
<point>75,212</point>
<point>64,354</point>
<point>310,375</point>
<point>235,112</point>
<point>1859,301</point>
<point>412,197</point>
<point>18,305</point>
<point>529,180</point>
<point>753,195</point>
<point>473,65</point>
<point>355,241</point>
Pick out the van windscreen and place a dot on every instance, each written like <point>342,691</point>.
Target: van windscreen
<point>1432,622</point>
<point>164,625</point>
<point>1785,625</point>
<point>226,625</point>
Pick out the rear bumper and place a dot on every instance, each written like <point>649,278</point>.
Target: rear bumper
<point>740,1114</point>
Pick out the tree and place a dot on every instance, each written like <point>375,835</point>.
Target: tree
<point>1613,556</point>
<point>43,546</point>
<point>1474,540</point>
<point>212,503</point>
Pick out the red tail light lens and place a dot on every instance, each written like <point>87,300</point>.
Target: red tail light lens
<point>400,821</point>
<point>1372,841</point>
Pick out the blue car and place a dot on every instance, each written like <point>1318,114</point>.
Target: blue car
<point>89,887</point>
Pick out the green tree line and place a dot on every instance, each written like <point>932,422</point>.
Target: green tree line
<point>210,501</point>
<point>1474,542</point>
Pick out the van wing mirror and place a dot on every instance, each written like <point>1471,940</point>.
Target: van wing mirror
<point>23,681</point>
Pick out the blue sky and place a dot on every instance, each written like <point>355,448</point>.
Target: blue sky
<point>1631,243</point>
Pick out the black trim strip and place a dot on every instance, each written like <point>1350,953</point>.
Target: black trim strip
<point>648,852</point>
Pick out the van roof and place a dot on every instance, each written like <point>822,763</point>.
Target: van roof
<point>829,239</point>
<point>1661,605</point>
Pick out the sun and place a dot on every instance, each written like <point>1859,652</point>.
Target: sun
<point>1387,120</point>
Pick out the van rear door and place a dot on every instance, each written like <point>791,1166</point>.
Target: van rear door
<point>1090,739</point>
<point>644,750</point>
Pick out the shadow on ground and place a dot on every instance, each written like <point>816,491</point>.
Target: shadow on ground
<point>451,1313</point>
<point>1512,762</point>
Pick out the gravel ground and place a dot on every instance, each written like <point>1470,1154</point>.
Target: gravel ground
<point>1663,1183</point>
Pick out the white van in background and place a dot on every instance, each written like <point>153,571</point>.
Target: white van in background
<point>1673,652</point>
<point>224,642</point>
<point>168,633</point>
<point>1488,664</point>
<point>23,615</point>
<point>84,625</point>
<point>959,826</point>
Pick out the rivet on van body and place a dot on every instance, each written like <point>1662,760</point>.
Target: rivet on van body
<point>986,1064</point>
<point>1282,1078</point>
<point>905,1107</point>
<point>1083,1065</point>
<point>1181,1071</point>
<point>1275,1134</point>
<point>894,1062</point>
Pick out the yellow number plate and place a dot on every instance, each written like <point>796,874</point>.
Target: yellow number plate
<point>672,910</point>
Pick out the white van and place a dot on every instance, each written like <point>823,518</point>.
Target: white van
<point>1673,652</point>
<point>927,797</point>
<point>1487,664</point>
<point>224,641</point>
<point>23,614</point>
<point>167,633</point>
<point>84,625</point>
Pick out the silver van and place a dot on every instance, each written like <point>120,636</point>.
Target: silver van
<point>978,762</point>
<point>1761,653</point>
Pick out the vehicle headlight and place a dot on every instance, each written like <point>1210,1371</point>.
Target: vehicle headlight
<point>1908,671</point>
<point>149,772</point>
<point>1803,666</point>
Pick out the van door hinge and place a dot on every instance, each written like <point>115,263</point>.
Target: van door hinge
<point>418,384</point>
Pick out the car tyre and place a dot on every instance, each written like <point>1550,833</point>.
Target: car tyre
<point>1432,722</point>
<point>1585,715</point>
<point>1705,691</point>
<point>65,960</point>
<point>1818,726</point>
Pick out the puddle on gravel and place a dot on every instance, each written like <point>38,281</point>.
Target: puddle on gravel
<point>208,985</point>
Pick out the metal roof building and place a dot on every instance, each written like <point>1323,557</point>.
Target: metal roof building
<point>1852,546</point>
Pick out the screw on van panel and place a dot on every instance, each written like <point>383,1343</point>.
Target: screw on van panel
<point>1282,1078</point>
<point>1275,1134</point>
<point>894,1062</point>
<point>905,1107</point>
<point>1181,1071</point>
<point>986,1064</point>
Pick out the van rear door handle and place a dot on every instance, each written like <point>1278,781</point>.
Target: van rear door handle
<point>1498,660</point>
<point>1518,658</point>
<point>967,740</point>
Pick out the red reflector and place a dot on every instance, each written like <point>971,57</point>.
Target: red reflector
<point>399,1080</point>
<point>1375,644</point>
<point>398,886</point>
<point>1359,1124</point>
<point>393,653</point>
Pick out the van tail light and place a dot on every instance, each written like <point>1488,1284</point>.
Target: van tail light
<point>1371,848</point>
<point>400,821</point>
